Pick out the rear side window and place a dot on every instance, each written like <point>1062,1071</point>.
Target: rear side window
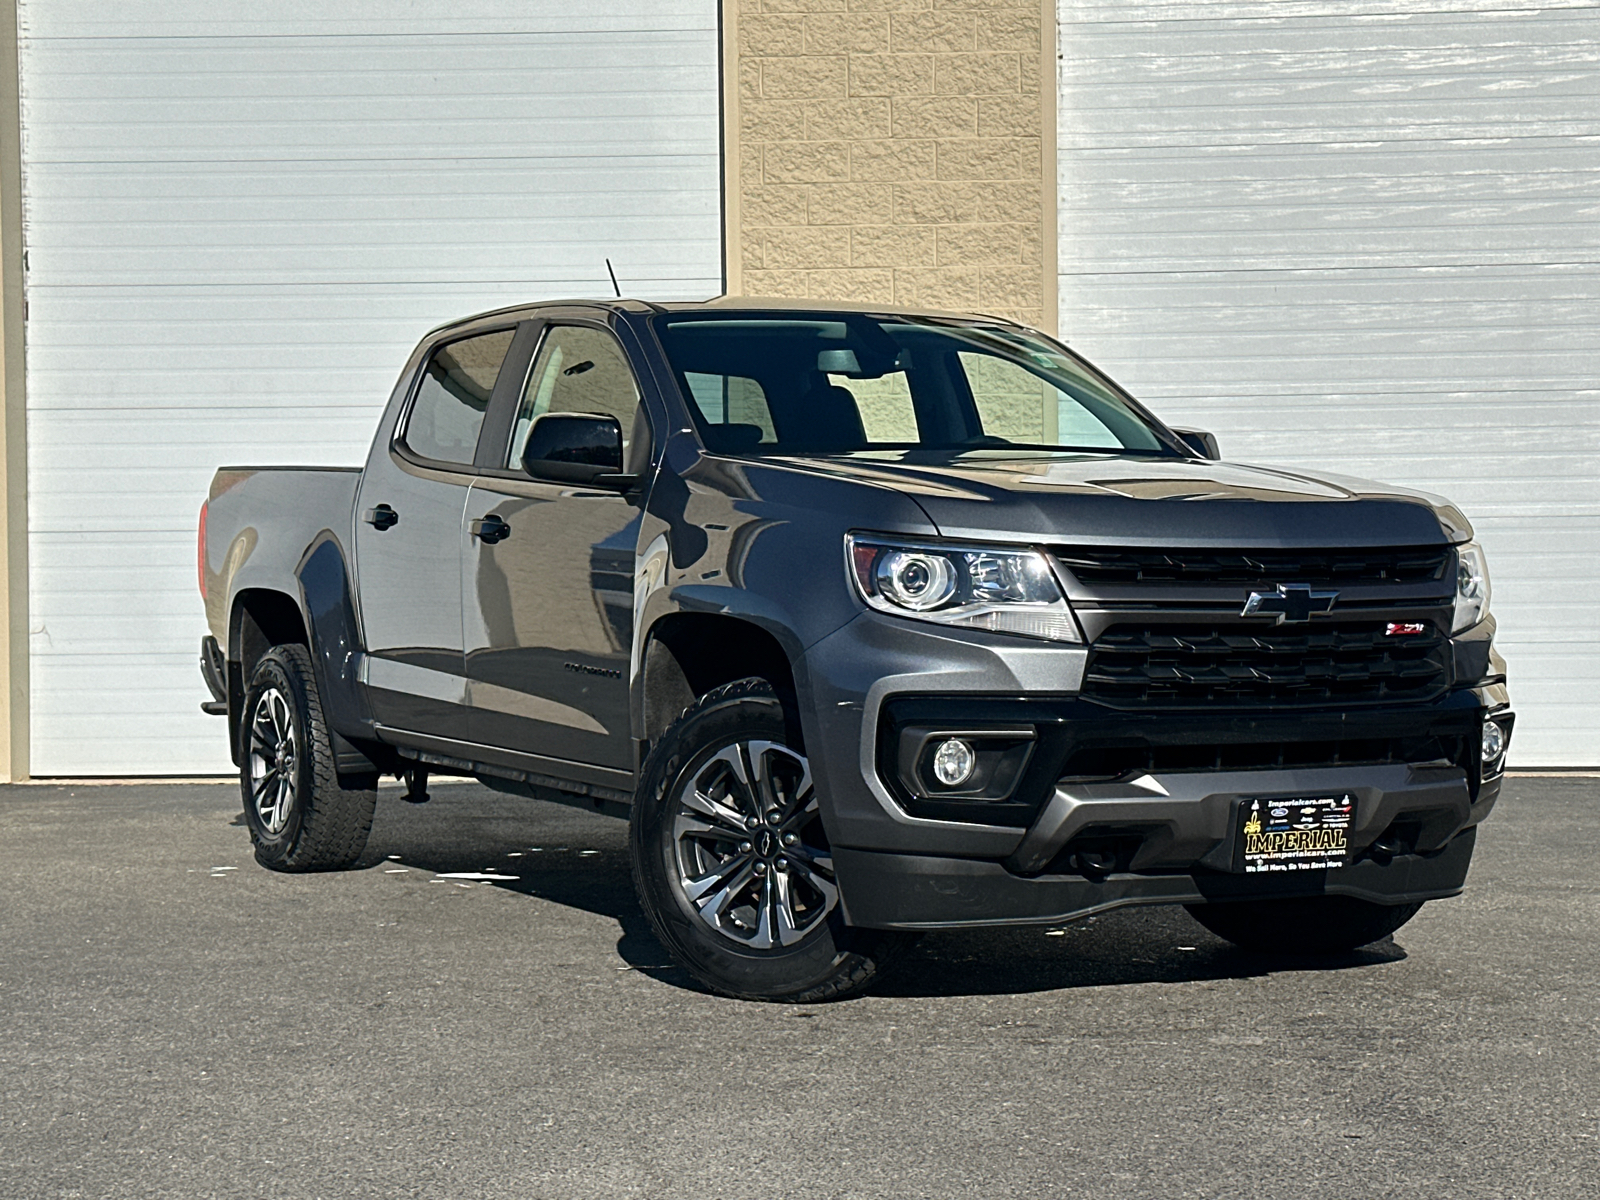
<point>454,395</point>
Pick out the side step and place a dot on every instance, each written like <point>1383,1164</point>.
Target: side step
<point>610,801</point>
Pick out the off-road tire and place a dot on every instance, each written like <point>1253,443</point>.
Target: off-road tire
<point>1303,925</point>
<point>327,818</point>
<point>831,961</point>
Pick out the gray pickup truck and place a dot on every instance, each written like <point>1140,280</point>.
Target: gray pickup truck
<point>870,621</point>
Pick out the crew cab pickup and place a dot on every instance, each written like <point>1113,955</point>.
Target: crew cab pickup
<point>870,622</point>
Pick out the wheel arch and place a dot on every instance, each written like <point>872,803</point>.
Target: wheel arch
<point>258,620</point>
<point>687,654</point>
<point>328,601</point>
<point>322,618</point>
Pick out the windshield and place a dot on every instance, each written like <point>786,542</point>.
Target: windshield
<point>836,383</point>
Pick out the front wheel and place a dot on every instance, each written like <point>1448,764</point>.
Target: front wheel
<point>1303,924</point>
<point>731,862</point>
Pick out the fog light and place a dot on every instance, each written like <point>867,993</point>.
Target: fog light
<point>1494,742</point>
<point>954,762</point>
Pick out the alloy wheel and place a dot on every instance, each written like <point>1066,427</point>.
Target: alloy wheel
<point>750,853</point>
<point>274,761</point>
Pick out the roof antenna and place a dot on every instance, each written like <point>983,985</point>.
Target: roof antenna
<point>613,275</point>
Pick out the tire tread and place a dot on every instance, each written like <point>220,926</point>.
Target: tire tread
<point>335,820</point>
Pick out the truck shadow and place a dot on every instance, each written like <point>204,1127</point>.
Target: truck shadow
<point>580,860</point>
<point>1127,946</point>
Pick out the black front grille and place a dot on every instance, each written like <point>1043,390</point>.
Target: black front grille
<point>1315,567</point>
<point>1193,667</point>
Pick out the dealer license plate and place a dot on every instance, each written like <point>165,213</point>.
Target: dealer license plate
<point>1297,833</point>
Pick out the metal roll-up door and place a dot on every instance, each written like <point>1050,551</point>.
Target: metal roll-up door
<point>239,219</point>
<point>1364,238</point>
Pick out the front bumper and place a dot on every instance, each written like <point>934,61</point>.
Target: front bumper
<point>1411,840</point>
<point>1159,834</point>
<point>904,891</point>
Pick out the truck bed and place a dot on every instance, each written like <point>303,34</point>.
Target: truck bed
<point>298,505</point>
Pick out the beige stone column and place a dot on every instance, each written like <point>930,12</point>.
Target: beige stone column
<point>14,425</point>
<point>897,151</point>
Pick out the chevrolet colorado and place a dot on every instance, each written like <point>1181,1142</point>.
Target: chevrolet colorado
<point>870,621</point>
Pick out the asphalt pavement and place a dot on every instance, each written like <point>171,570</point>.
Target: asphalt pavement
<point>176,1021</point>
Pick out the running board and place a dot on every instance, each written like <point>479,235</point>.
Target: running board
<point>539,784</point>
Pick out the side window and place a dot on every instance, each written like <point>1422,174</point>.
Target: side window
<point>454,394</point>
<point>578,369</point>
<point>1015,404</point>
<point>726,400</point>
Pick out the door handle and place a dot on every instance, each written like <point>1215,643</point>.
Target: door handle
<point>490,529</point>
<point>381,518</point>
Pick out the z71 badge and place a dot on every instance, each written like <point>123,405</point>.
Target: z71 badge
<point>1296,833</point>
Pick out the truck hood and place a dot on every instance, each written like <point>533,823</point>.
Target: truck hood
<point>1100,500</point>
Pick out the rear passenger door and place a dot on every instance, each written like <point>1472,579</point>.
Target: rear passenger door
<point>408,538</point>
<point>549,604</point>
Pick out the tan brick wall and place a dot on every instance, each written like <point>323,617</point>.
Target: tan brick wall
<point>899,151</point>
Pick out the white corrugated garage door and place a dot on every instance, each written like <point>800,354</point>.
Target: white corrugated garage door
<point>1364,237</point>
<point>239,219</point>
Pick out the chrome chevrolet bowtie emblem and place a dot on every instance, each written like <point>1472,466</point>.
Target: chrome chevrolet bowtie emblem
<point>1292,603</point>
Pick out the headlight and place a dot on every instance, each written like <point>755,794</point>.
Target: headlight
<point>1006,591</point>
<point>1472,586</point>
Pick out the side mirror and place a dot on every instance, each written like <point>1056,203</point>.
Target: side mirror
<point>570,447</point>
<point>1202,443</point>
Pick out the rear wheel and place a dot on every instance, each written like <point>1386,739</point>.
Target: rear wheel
<point>302,815</point>
<point>731,862</point>
<point>1303,925</point>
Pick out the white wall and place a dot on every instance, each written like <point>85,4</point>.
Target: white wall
<point>240,217</point>
<point>1364,237</point>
